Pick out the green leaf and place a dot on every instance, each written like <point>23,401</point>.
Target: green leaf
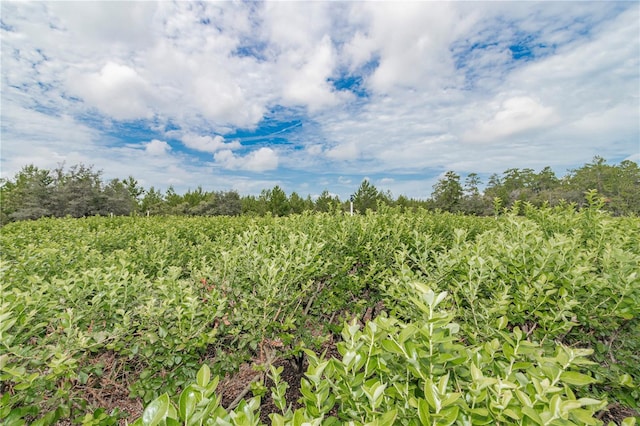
<point>431,394</point>
<point>585,402</point>
<point>449,416</point>
<point>189,398</point>
<point>441,296</point>
<point>450,399</point>
<point>3,360</point>
<point>50,418</point>
<point>203,376</point>
<point>502,322</point>
<point>423,411</point>
<point>625,380</point>
<point>532,414</point>
<point>577,379</point>
<point>584,416</point>
<point>157,411</point>
<point>388,418</point>
<point>277,419</point>
<point>392,346</point>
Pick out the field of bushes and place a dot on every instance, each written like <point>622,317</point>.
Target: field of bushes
<point>531,317</point>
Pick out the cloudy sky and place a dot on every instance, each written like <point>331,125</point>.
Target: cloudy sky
<point>317,95</point>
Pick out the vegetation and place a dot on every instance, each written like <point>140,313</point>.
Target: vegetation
<point>400,316</point>
<point>79,192</point>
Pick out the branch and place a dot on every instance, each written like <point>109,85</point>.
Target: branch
<point>247,388</point>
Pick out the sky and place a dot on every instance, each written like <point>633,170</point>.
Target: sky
<point>320,95</point>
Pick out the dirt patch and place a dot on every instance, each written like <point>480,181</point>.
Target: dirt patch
<point>616,413</point>
<point>292,376</point>
<point>111,390</point>
<point>234,386</point>
<point>238,386</point>
<point>108,391</point>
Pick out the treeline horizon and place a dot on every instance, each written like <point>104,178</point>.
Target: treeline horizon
<point>79,191</point>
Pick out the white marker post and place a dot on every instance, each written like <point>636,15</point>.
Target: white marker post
<point>351,204</point>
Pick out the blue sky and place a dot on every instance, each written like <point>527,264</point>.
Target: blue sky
<point>317,95</point>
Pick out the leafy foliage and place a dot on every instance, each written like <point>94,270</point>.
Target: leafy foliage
<point>542,314</point>
<point>416,373</point>
<point>79,192</point>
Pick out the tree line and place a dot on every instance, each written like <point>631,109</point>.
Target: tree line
<point>80,191</point>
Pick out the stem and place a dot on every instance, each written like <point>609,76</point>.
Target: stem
<point>247,388</point>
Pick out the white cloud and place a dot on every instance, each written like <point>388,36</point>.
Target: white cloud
<point>264,159</point>
<point>345,151</point>
<point>634,157</point>
<point>157,147</point>
<point>107,23</point>
<point>513,116</point>
<point>116,90</point>
<point>411,42</point>
<point>314,150</point>
<point>438,88</point>
<point>208,143</point>
<point>306,84</point>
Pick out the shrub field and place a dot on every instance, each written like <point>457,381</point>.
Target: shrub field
<point>531,317</point>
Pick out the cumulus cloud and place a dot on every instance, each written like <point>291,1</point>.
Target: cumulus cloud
<point>513,116</point>
<point>116,90</point>
<point>261,160</point>
<point>345,151</point>
<point>208,143</point>
<point>306,84</point>
<point>157,147</point>
<point>380,88</point>
<point>106,23</point>
<point>411,44</point>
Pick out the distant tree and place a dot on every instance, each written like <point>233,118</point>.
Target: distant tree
<point>229,204</point>
<point>135,191</point>
<point>472,201</point>
<point>627,197</point>
<point>296,203</point>
<point>254,206</point>
<point>325,202</point>
<point>386,197</point>
<point>471,184</point>
<point>546,180</point>
<point>447,192</point>
<point>495,189</point>
<point>366,197</point>
<point>78,191</point>
<point>403,202</point>
<point>518,184</point>
<point>202,203</point>
<point>118,200</point>
<point>27,196</point>
<point>595,175</point>
<point>309,204</point>
<point>277,202</point>
<point>152,202</point>
<point>207,206</point>
<point>171,198</point>
<point>194,197</point>
<point>619,185</point>
<point>515,184</point>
